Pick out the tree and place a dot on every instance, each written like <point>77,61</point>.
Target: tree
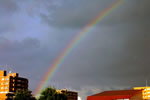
<point>23,95</point>
<point>50,94</point>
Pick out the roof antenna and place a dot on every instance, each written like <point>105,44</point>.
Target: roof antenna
<point>146,83</point>
<point>6,67</point>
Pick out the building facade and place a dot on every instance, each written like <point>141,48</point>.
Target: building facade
<point>70,94</point>
<point>10,83</point>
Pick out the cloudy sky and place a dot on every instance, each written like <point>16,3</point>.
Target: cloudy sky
<point>114,54</point>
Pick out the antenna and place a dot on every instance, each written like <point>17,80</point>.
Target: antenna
<point>6,67</point>
<point>146,83</point>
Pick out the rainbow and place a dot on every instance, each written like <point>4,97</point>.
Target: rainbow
<point>52,69</point>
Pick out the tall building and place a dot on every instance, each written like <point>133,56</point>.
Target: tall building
<point>71,95</point>
<point>137,93</point>
<point>10,83</point>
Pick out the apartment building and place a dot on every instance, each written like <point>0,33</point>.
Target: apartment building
<point>10,83</point>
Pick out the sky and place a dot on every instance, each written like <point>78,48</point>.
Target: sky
<point>113,55</point>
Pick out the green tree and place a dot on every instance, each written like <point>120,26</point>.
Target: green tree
<point>23,95</point>
<point>50,94</point>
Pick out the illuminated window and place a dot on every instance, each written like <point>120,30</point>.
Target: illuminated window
<point>2,79</point>
<point>6,87</point>
<point>7,79</point>
<point>2,84</point>
<point>6,83</point>
<point>2,87</point>
<point>6,91</point>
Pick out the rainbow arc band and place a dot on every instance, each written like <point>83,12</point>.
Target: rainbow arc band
<point>52,69</point>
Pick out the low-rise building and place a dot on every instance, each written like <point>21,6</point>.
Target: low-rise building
<point>71,95</point>
<point>137,93</point>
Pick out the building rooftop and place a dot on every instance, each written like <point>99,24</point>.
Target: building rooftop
<point>118,92</point>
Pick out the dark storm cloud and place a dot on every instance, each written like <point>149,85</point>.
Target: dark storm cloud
<point>18,51</point>
<point>75,13</point>
<point>80,13</point>
<point>27,57</point>
<point>7,9</point>
<point>115,53</point>
<point>109,58</point>
<point>7,6</point>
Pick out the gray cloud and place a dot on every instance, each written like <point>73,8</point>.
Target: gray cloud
<point>109,57</point>
<point>27,57</point>
<point>7,10</point>
<point>75,13</point>
<point>80,13</point>
<point>7,6</point>
<point>114,53</point>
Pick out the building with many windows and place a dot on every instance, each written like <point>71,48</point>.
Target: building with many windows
<point>10,83</point>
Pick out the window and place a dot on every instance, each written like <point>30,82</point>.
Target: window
<point>6,83</point>
<point>6,87</point>
<point>7,79</point>
<point>19,80</point>
<point>2,79</point>
<point>2,87</point>
<point>18,84</point>
<point>6,91</point>
<point>2,83</point>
